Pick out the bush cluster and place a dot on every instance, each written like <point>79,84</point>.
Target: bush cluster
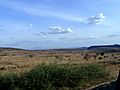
<point>54,76</point>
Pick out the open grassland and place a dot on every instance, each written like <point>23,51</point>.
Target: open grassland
<point>62,69</point>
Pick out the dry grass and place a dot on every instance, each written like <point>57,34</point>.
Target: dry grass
<point>18,61</point>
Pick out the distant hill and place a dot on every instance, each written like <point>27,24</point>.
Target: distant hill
<point>9,48</point>
<point>99,48</point>
<point>105,48</point>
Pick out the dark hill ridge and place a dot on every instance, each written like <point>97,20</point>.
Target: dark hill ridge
<point>9,48</point>
<point>105,48</point>
<point>108,46</point>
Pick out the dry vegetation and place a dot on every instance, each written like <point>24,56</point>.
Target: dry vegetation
<point>20,61</point>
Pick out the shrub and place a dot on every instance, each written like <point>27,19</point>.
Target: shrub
<point>102,53</point>
<point>7,82</point>
<point>55,76</point>
<point>65,75</point>
<point>100,58</point>
<point>30,55</point>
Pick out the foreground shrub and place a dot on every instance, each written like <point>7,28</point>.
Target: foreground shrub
<point>7,81</point>
<point>56,76</point>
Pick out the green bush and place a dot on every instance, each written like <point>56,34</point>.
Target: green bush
<point>54,76</point>
<point>7,82</point>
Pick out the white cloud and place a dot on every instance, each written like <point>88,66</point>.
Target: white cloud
<point>54,30</point>
<point>98,19</point>
<point>58,30</point>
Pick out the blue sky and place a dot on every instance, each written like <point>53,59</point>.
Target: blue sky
<point>43,24</point>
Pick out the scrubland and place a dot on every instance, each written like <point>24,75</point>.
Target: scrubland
<point>56,69</point>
